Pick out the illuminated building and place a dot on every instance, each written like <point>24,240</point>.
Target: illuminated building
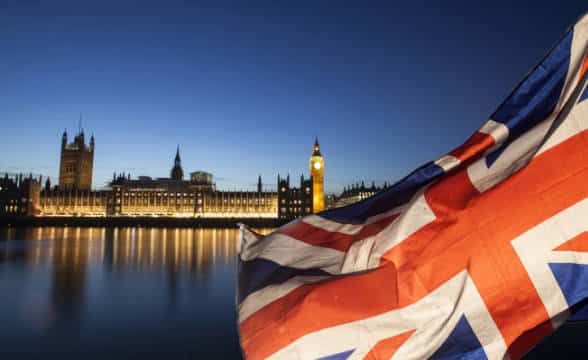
<point>194,197</point>
<point>294,202</point>
<point>19,195</point>
<point>330,201</point>
<point>76,163</point>
<point>160,197</point>
<point>317,171</point>
<point>357,192</point>
<point>57,202</point>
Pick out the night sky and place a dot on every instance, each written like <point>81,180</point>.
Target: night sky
<point>244,89</point>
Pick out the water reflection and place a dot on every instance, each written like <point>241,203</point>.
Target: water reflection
<point>125,248</point>
<point>61,283</point>
<point>69,251</point>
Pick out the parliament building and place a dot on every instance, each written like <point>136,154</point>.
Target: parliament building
<point>193,196</point>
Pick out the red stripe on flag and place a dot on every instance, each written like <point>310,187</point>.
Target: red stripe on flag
<point>584,67</point>
<point>386,348</point>
<point>315,235</point>
<point>578,243</point>
<point>475,145</point>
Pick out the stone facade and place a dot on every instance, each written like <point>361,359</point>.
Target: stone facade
<point>144,196</point>
<point>19,195</point>
<point>357,192</point>
<point>294,202</point>
<point>76,163</point>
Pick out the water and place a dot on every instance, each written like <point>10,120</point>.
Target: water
<point>135,293</point>
<point>72,291</point>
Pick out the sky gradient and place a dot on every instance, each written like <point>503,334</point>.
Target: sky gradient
<point>245,89</point>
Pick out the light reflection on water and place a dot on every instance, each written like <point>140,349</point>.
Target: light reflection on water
<point>138,248</point>
<point>123,291</point>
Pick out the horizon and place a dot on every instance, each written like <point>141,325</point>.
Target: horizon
<point>245,90</point>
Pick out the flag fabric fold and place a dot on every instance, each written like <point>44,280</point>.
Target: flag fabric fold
<point>478,254</point>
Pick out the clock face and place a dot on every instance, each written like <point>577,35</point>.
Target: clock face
<point>317,165</point>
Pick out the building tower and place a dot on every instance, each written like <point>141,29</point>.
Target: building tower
<point>176,172</point>
<point>317,171</point>
<point>76,163</point>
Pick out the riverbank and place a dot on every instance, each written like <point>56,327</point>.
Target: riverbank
<point>124,221</point>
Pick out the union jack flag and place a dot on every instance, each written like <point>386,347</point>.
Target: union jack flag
<point>478,254</point>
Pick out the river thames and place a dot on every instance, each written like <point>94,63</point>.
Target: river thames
<point>121,293</point>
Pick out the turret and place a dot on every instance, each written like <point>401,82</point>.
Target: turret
<point>177,159</point>
<point>176,172</point>
<point>316,148</point>
<point>259,185</point>
<point>80,139</point>
<point>283,183</point>
<point>64,139</point>
<point>92,142</point>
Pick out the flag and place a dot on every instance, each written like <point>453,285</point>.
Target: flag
<point>479,254</point>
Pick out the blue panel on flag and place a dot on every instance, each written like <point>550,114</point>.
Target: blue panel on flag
<point>259,273</point>
<point>462,343</point>
<point>573,281</point>
<point>340,356</point>
<point>536,97</point>
<point>398,194</point>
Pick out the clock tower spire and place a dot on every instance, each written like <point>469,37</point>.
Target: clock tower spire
<point>317,171</point>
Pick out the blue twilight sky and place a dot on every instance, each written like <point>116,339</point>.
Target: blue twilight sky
<point>243,87</point>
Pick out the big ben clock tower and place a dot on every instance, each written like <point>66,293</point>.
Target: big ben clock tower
<point>317,171</point>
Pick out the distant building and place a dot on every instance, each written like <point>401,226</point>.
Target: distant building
<point>330,201</point>
<point>166,197</point>
<point>317,172</point>
<point>71,202</point>
<point>203,180</point>
<point>76,164</point>
<point>294,202</point>
<point>144,196</point>
<point>19,196</point>
<point>357,192</point>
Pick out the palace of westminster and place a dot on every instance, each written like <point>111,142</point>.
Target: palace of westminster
<point>176,196</point>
